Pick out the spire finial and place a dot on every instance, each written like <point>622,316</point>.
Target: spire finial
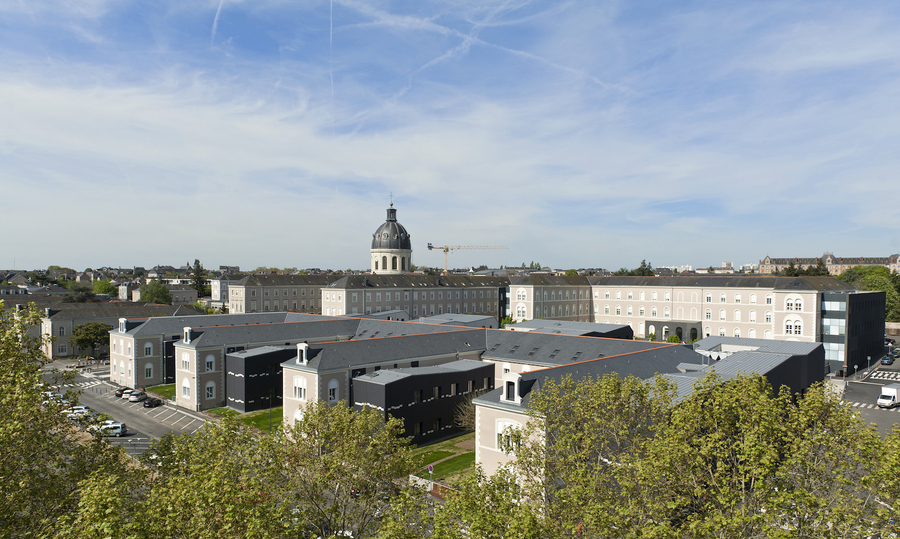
<point>392,199</point>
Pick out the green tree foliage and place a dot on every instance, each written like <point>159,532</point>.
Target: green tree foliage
<point>43,458</point>
<point>90,335</point>
<point>103,286</point>
<point>571,272</point>
<point>877,278</point>
<point>79,293</point>
<point>614,457</point>
<point>674,339</point>
<point>156,292</point>
<point>644,270</point>
<point>507,320</point>
<point>199,282</point>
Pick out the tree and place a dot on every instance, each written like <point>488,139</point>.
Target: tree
<point>199,282</point>
<point>464,415</point>
<point>90,335</point>
<point>673,339</point>
<point>156,292</point>
<point>336,467</point>
<point>507,320</point>
<point>80,293</point>
<point>877,278</point>
<point>571,272</point>
<point>43,457</point>
<point>103,286</point>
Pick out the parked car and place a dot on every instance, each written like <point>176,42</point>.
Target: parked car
<point>113,429</point>
<point>888,340</point>
<point>152,402</point>
<point>121,391</point>
<point>887,360</point>
<point>137,396</point>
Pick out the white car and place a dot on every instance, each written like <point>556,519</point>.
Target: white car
<point>113,429</point>
<point>136,396</point>
<point>76,411</point>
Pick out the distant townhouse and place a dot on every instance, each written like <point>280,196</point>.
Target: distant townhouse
<point>181,294</point>
<point>835,264</point>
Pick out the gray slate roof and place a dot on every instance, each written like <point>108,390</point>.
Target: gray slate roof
<point>387,376</point>
<point>571,328</point>
<point>518,346</point>
<point>71,311</point>
<point>727,281</point>
<point>414,280</point>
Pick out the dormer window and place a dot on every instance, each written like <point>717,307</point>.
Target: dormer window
<point>511,388</point>
<point>302,353</point>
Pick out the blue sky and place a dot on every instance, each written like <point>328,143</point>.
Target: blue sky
<point>577,134</point>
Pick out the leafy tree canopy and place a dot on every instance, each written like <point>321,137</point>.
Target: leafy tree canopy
<point>199,282</point>
<point>644,270</point>
<point>90,335</point>
<point>156,292</point>
<point>103,286</point>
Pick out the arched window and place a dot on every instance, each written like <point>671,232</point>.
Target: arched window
<point>332,391</point>
<point>298,415</point>
<point>630,295</point>
<point>393,262</point>
<point>606,309</point>
<point>708,314</point>
<point>737,332</point>
<point>618,310</point>
<point>642,295</point>
<point>618,294</point>
<point>768,318</point>
<point>798,305</point>
<point>567,310</point>
<point>667,296</point>
<point>707,332</point>
<point>376,264</point>
<point>641,310</point>
<point>210,390</point>
<point>403,263</point>
<point>737,315</point>
<point>652,312</point>
<point>384,262</point>
<point>753,299</point>
<point>721,314</point>
<point>186,388</point>
<point>709,298</point>
<point>666,312</point>
<point>148,349</point>
<point>768,334</point>
<point>789,305</point>
<point>737,298</point>
<point>752,334</point>
<point>797,329</point>
<point>721,332</point>
<point>768,299</point>
<point>722,298</point>
<point>148,371</point>
<point>788,327</point>
<point>753,316</point>
<point>506,435</point>
<point>653,296</point>
<point>606,295</point>
<point>628,310</point>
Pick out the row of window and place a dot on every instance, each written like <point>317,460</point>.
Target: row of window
<point>186,362</point>
<point>736,316</point>
<point>186,389</point>
<point>238,292</point>
<point>299,389</point>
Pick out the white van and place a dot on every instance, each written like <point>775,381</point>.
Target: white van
<point>114,429</point>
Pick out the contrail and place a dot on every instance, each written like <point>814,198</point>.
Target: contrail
<point>212,35</point>
<point>330,48</point>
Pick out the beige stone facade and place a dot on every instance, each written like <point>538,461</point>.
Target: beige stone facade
<point>835,264</point>
<point>269,293</point>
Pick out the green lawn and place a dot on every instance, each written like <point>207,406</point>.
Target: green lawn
<point>224,412</point>
<point>456,464</point>
<point>425,459</point>
<point>165,390</point>
<point>260,419</point>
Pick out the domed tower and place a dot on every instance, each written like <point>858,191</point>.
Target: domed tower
<point>391,248</point>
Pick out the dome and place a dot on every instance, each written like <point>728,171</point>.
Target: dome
<point>391,235</point>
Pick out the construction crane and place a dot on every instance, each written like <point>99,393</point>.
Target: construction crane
<point>448,248</point>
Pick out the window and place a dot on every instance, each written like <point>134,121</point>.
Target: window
<point>185,361</point>
<point>62,331</point>
<point>62,348</point>
<point>752,299</point>
<point>148,371</point>
<point>653,296</point>
<point>753,316</point>
<point>210,363</point>
<point>667,296</point>
<point>721,314</point>
<point>210,390</point>
<point>606,295</point>
<point>186,388</point>
<point>797,330</point>
<point>798,305</point>
<point>666,312</point>
<point>737,332</point>
<point>768,318</point>
<point>737,298</point>
<point>737,315</point>
<point>768,300</point>
<point>641,310</point>
<point>148,349</point>
<point>709,298</point>
<point>505,435</point>
<point>708,314</point>
<point>642,296</point>
<point>628,309</point>
<point>722,298</point>
<point>332,391</point>
<point>618,310</point>
<point>653,312</point>
<point>606,309</point>
<point>300,388</point>
<point>721,332</point>
<point>630,295</point>
<point>789,305</point>
<point>618,294</point>
<point>752,333</point>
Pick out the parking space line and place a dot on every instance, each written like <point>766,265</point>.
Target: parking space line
<point>179,419</point>
<point>167,417</point>
<point>189,424</point>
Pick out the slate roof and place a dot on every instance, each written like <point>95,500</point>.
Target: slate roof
<point>71,311</point>
<point>273,332</point>
<point>386,376</point>
<point>715,343</point>
<point>415,280</point>
<point>347,354</point>
<point>450,318</point>
<point>554,350</point>
<point>174,325</point>
<point>548,280</point>
<point>727,281</point>
<point>286,280</point>
<point>570,328</point>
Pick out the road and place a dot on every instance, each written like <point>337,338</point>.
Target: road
<point>144,424</point>
<point>863,393</point>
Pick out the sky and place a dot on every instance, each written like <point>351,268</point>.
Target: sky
<point>575,133</point>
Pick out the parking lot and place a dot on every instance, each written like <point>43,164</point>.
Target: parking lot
<point>144,424</point>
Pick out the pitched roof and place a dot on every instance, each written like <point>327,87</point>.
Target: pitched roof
<point>71,311</point>
<point>414,280</point>
<point>727,281</point>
